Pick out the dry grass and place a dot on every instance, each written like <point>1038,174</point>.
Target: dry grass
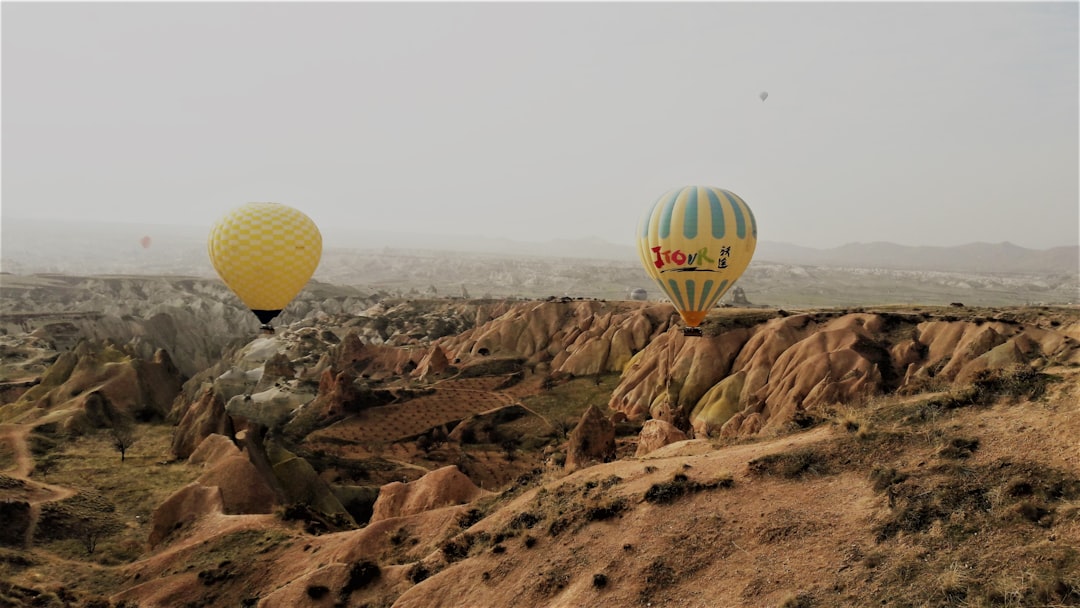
<point>110,511</point>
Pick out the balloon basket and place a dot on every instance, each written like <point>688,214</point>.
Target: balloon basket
<point>693,332</point>
<point>266,329</point>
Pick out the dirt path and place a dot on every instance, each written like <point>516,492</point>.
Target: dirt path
<point>14,435</point>
<point>37,493</point>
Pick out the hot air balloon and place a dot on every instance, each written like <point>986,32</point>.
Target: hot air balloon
<point>265,253</point>
<point>145,242</point>
<point>695,242</point>
<point>764,95</point>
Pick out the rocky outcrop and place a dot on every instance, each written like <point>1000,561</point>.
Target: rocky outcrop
<point>205,417</point>
<point>182,509</point>
<point>440,488</point>
<point>243,490</point>
<point>745,380</point>
<point>433,363</point>
<point>655,434</point>
<point>591,441</point>
<point>100,383</point>
<point>301,483</point>
<point>575,337</point>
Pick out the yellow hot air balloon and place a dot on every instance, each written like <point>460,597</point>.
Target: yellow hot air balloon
<point>265,253</point>
<point>695,242</point>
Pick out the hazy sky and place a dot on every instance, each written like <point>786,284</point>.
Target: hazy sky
<point>916,123</point>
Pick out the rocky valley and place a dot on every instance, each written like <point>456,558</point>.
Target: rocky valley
<point>382,449</point>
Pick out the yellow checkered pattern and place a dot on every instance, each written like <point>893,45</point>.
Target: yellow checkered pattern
<point>265,253</point>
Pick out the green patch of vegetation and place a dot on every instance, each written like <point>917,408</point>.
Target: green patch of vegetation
<point>563,405</point>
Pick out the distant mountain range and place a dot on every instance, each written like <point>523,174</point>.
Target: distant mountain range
<point>27,244</point>
<point>973,257</point>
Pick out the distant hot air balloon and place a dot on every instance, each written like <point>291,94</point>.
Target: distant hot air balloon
<point>764,95</point>
<point>265,253</point>
<point>695,242</point>
<point>145,242</point>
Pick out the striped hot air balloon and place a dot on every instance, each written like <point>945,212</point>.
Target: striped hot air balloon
<point>265,253</point>
<point>695,242</point>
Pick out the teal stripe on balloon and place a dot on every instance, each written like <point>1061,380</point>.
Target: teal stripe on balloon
<point>749,214</point>
<point>716,210</point>
<point>740,221</point>
<point>690,219</point>
<point>665,215</point>
<point>690,294</point>
<point>717,294</point>
<point>705,289</point>
<point>674,291</point>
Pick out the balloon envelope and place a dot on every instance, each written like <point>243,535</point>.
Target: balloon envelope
<point>695,242</point>
<point>265,253</point>
<point>145,242</point>
<point>764,95</point>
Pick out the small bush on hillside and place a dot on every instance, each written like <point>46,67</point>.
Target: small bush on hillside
<point>361,574</point>
<point>458,547</point>
<point>680,485</point>
<point>799,463</point>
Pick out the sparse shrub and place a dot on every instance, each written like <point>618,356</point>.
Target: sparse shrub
<point>469,518</point>
<point>47,599</point>
<point>1034,512</point>
<point>959,448</point>
<point>525,519</point>
<point>607,510</point>
<point>458,547</point>
<point>212,576</point>
<point>418,572</point>
<point>529,542</point>
<point>400,536</point>
<point>658,575</point>
<point>361,574</point>
<point>317,592</point>
<point>558,525</point>
<point>599,580</point>
<point>883,477</point>
<point>790,465</point>
<point>795,600</point>
<point>680,485</point>
<point>553,580</point>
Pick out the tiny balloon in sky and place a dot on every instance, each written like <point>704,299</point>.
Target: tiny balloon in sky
<point>764,95</point>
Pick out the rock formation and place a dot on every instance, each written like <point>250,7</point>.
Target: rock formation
<point>655,434</point>
<point>591,441</point>
<point>440,488</point>
<point>745,380</point>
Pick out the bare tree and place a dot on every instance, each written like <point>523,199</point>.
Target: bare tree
<point>89,531</point>
<point>123,435</point>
